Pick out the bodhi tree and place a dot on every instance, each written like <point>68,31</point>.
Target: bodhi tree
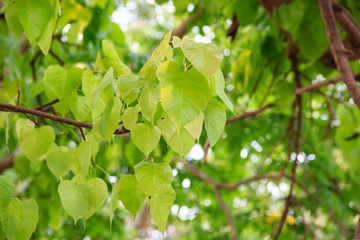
<point>207,119</point>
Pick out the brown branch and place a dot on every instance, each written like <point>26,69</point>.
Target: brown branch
<point>248,114</point>
<point>8,161</point>
<point>46,105</point>
<point>61,62</point>
<point>11,108</point>
<point>324,83</point>
<point>82,133</point>
<point>206,150</point>
<point>338,50</point>
<point>226,210</point>
<point>18,94</point>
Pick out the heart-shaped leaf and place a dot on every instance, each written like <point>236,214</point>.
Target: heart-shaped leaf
<point>195,126</point>
<point>153,178</point>
<point>184,95</point>
<point>205,57</point>
<point>59,162</point>
<point>181,142</point>
<point>130,117</point>
<point>149,100</point>
<point>130,193</point>
<point>110,119</point>
<point>95,195</point>
<point>160,208</point>
<point>145,137</point>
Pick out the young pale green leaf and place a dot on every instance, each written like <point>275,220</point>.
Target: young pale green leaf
<point>59,162</point>
<point>112,59</point>
<point>130,117</point>
<point>129,86</point>
<point>12,20</point>
<point>160,208</point>
<point>110,119</point>
<point>206,58</point>
<point>106,81</point>
<point>36,142</point>
<point>7,191</point>
<point>44,40</point>
<point>181,142</point>
<point>145,138</point>
<point>184,95</point>
<point>23,128</point>
<point>153,179</point>
<point>220,85</point>
<point>114,201</point>
<point>29,220</point>
<point>99,62</point>
<point>167,127</point>
<point>215,120</point>
<point>130,193</point>
<point>60,82</point>
<point>80,109</point>
<point>73,199</point>
<point>195,126</point>
<point>87,149</point>
<point>176,42</point>
<point>12,218</point>
<point>95,193</point>
<point>149,69</point>
<point>33,16</point>
<point>149,99</point>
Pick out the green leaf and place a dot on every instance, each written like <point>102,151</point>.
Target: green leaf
<point>80,108</point>
<point>149,100</point>
<point>12,20</point>
<point>206,58</point>
<point>167,127</point>
<point>87,149</point>
<point>44,41</point>
<point>60,82</point>
<point>114,201</point>
<point>73,199</point>
<point>195,126</point>
<point>291,15</point>
<point>181,142</point>
<point>130,193</point>
<point>112,59</point>
<point>34,141</point>
<point>33,16</point>
<point>130,117</point>
<point>145,138</point>
<point>59,162</point>
<point>153,178</point>
<point>160,208</point>
<point>12,218</point>
<point>215,120</point>
<point>129,86</point>
<point>29,219</point>
<point>176,42</point>
<point>110,119</point>
<point>23,128</point>
<point>106,81</point>
<point>95,194</point>
<point>184,95</point>
<point>149,69</point>
<point>220,85</point>
<point>7,191</point>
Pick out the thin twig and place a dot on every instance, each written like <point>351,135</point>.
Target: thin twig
<point>11,108</point>
<point>47,105</point>
<point>61,62</point>
<point>226,210</point>
<point>206,150</point>
<point>248,114</point>
<point>82,133</point>
<point>18,96</point>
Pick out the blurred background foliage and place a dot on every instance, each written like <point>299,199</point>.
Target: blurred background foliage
<point>258,71</point>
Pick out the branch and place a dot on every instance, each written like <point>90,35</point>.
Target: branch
<point>46,105</point>
<point>324,83</point>
<point>11,108</point>
<point>338,50</point>
<point>226,210</point>
<point>248,114</point>
<point>8,161</point>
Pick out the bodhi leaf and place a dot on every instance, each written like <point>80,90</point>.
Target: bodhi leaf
<point>108,78</point>
<point>59,82</point>
<point>167,128</point>
<point>195,126</point>
<point>130,193</point>
<point>73,199</point>
<point>12,20</point>
<point>215,119</point>
<point>153,179</point>
<point>110,118</point>
<point>220,85</point>
<point>129,86</point>
<point>176,41</point>
<point>114,201</point>
<point>160,208</point>
<point>59,162</point>
<point>205,57</point>
<point>181,142</point>
<point>34,142</point>
<point>130,117</point>
<point>145,138</point>
<point>184,95</point>
<point>12,218</point>
<point>112,59</point>
<point>7,191</point>
<point>95,194</point>
<point>33,16</point>
<point>149,69</point>
<point>80,108</point>
<point>148,100</point>
<point>29,220</point>
<point>87,149</point>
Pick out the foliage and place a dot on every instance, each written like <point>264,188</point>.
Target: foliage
<point>91,113</point>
